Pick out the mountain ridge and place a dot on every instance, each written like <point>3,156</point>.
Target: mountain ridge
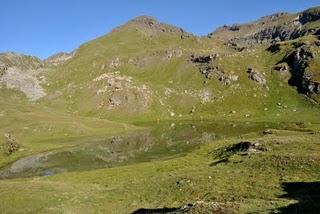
<point>145,56</point>
<point>150,118</point>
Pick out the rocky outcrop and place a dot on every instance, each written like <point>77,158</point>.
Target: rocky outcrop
<point>310,15</point>
<point>202,59</point>
<point>151,27</point>
<point>276,27</point>
<point>281,67</point>
<point>120,91</point>
<point>24,81</point>
<point>298,62</point>
<point>19,72</point>
<point>3,70</point>
<point>11,145</point>
<point>115,63</point>
<point>24,62</point>
<point>256,76</point>
<point>210,71</point>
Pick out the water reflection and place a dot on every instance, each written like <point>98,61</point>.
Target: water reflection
<point>161,140</point>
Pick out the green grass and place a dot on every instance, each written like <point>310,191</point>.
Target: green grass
<point>252,182</point>
<point>69,121</point>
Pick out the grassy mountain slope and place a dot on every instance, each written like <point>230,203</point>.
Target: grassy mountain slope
<point>68,107</point>
<point>143,70</point>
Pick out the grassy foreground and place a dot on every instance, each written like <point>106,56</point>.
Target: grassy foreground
<point>261,178</point>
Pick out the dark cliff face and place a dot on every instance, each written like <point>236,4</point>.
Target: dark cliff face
<point>286,33</point>
<point>298,58</point>
<point>298,61</point>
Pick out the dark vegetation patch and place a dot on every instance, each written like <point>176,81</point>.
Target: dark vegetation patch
<point>242,148</point>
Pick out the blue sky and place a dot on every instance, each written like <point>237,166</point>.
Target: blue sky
<point>44,27</point>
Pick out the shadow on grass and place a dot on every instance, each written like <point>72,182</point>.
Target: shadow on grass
<point>156,211</point>
<point>306,193</point>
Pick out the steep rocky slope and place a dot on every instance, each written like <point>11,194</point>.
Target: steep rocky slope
<point>276,27</point>
<point>295,36</point>
<point>20,72</point>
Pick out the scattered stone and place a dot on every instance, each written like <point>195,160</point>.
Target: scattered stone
<point>255,76</point>
<point>11,145</point>
<point>202,59</point>
<point>235,46</point>
<point>246,146</point>
<point>116,139</point>
<point>193,109</point>
<point>115,63</point>
<point>3,70</point>
<point>225,80</point>
<point>282,67</point>
<point>234,77</point>
<point>114,101</point>
<point>267,132</point>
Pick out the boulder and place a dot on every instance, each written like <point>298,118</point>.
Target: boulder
<point>11,145</point>
<point>257,77</point>
<point>282,67</point>
<point>114,101</point>
<point>202,59</point>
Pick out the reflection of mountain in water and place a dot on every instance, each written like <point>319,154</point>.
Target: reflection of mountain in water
<point>160,141</point>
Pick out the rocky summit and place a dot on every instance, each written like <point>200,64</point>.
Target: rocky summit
<point>152,119</point>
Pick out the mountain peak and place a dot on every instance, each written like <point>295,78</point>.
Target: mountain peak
<point>59,58</point>
<point>151,26</point>
<point>144,19</point>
